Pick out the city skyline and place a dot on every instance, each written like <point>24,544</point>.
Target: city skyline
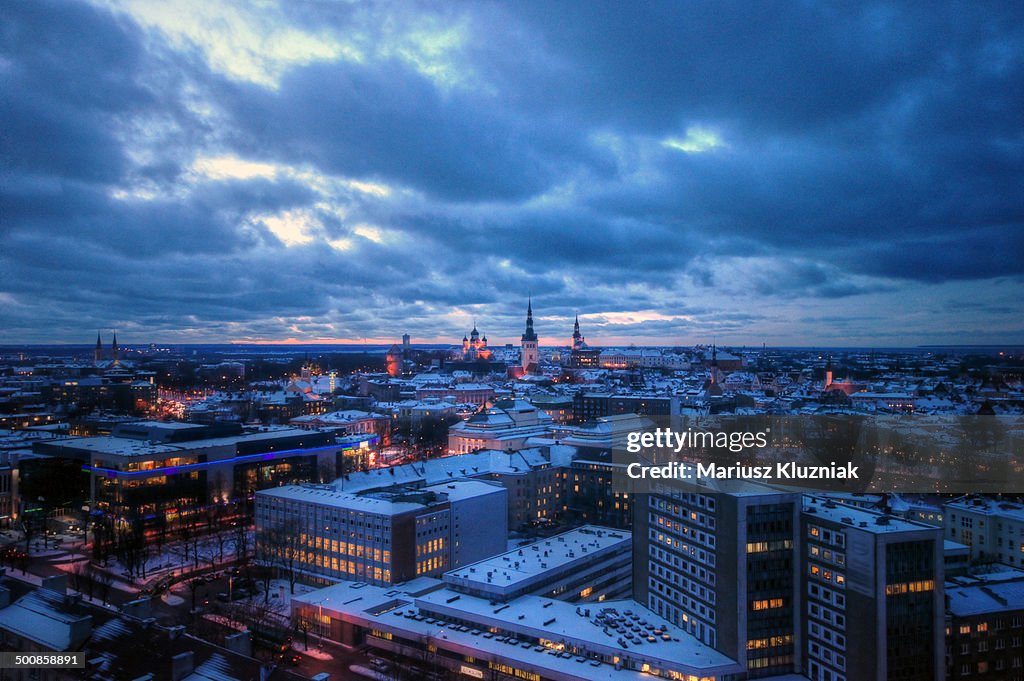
<point>675,175</point>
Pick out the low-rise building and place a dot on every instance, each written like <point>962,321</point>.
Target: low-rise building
<point>583,565</point>
<point>427,627</point>
<point>993,529</point>
<point>382,536</point>
<point>506,426</point>
<point>985,627</point>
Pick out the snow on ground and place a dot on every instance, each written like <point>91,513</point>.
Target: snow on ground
<point>313,651</point>
<point>171,599</point>
<point>225,621</point>
<point>368,673</point>
<point>280,592</point>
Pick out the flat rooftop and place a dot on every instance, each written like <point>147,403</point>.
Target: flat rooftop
<point>862,519</point>
<point>382,502</point>
<point>447,468</point>
<point>992,507</point>
<point>984,598</point>
<point>421,611</point>
<point>123,446</point>
<point>525,564</point>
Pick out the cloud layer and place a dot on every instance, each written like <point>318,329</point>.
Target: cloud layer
<point>788,174</point>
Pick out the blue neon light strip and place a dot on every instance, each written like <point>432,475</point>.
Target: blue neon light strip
<point>265,456</point>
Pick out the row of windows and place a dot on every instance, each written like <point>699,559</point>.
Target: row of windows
<point>827,595</point>
<point>967,669</point>
<point>828,615</point>
<point>1000,623</point>
<point>430,565</point>
<point>827,536</point>
<point>681,581</point>
<point>825,655</point>
<point>686,566</point>
<point>828,575</point>
<point>820,673</point>
<point>827,635</point>
<point>775,661</point>
<point>999,644</point>
<point>694,500</point>
<point>771,642</point>
<point>693,552</point>
<point>342,548</point>
<point>340,567</point>
<point>692,606</point>
<point>765,546</point>
<point>690,534</point>
<point>909,587</point>
<point>827,555</point>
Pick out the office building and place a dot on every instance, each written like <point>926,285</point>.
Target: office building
<point>872,586</point>
<point>381,536</point>
<point>584,565</point>
<point>993,529</point>
<point>722,567</point>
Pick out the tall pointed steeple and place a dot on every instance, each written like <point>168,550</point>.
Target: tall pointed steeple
<point>577,337</point>
<point>97,354</point>
<point>530,355</point>
<point>529,334</point>
<point>113,347</point>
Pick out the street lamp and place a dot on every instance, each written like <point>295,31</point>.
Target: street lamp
<point>321,634</point>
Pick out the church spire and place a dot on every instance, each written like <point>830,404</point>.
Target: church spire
<point>529,334</point>
<point>97,354</point>
<point>577,337</point>
<point>113,347</point>
<point>530,356</point>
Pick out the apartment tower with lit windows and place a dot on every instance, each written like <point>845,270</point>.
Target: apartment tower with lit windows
<point>873,595</point>
<point>723,567</point>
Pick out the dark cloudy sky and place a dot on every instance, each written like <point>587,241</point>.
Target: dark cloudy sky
<point>802,173</point>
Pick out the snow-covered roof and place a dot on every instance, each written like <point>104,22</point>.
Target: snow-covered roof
<point>424,610</point>
<point>43,617</point>
<point>511,571</point>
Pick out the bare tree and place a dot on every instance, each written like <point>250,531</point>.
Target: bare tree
<point>325,471</point>
<point>241,543</point>
<point>77,575</point>
<point>304,625</point>
<point>279,546</point>
<point>267,620</point>
<point>131,548</point>
<point>193,587</point>
<point>103,581</point>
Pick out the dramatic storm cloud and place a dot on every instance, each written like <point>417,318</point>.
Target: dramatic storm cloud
<point>847,174</point>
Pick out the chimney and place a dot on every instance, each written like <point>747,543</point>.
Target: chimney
<point>182,665</point>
